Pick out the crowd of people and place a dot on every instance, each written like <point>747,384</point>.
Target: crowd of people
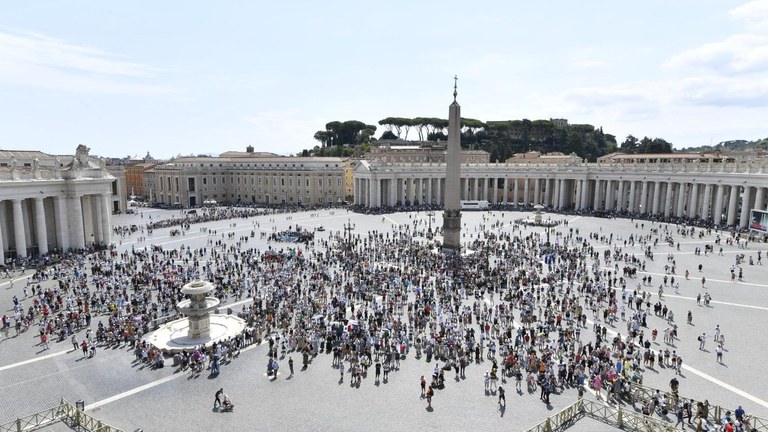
<point>558,311</point>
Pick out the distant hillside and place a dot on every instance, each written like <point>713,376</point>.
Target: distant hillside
<point>733,145</point>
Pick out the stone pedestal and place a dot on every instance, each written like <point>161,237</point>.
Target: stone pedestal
<point>452,230</point>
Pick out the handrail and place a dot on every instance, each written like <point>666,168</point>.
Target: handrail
<point>615,416</point>
<point>33,421</point>
<point>715,413</point>
<point>83,420</point>
<point>64,410</point>
<point>565,417</point>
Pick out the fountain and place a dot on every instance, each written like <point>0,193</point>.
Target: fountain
<point>200,327</point>
<point>537,219</point>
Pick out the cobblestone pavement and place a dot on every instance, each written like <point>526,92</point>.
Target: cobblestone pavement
<point>124,394</point>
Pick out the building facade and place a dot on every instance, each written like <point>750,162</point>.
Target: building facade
<point>53,203</point>
<point>260,180</point>
<point>721,188</point>
<point>134,179</point>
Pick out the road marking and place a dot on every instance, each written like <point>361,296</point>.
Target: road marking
<point>133,391</point>
<point>720,302</point>
<point>12,280</point>
<point>706,376</point>
<point>33,360</point>
<point>693,279</point>
<point>146,386</point>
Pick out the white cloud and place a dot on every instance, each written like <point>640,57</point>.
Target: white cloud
<point>36,60</point>
<point>753,13</point>
<point>737,54</point>
<point>723,91</point>
<point>588,64</point>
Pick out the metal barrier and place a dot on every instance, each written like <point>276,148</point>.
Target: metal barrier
<point>34,421</point>
<point>626,420</point>
<point>564,418</point>
<point>715,413</point>
<point>617,417</point>
<point>65,411</point>
<point>83,420</point>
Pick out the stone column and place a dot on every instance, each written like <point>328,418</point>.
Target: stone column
<point>429,190</point>
<point>62,225</point>
<point>516,195</point>
<point>656,196</point>
<point>717,211</point>
<point>527,191</point>
<point>506,191</point>
<point>2,242</point>
<point>621,203</point>
<point>609,196</point>
<point>693,205</point>
<point>706,203</point>
<point>746,205</point>
<point>597,198</point>
<point>644,198</point>
<point>18,229</point>
<point>680,199</point>
<point>547,192</point>
<point>668,196</point>
<point>561,193</point>
<point>632,197</point>
<point>42,234</point>
<point>733,203</point>
<point>760,198</point>
<point>75,217</point>
<point>106,214</point>
<point>537,191</point>
<point>584,193</point>
<point>579,201</point>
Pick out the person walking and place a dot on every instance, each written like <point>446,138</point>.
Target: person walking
<point>502,398</point>
<point>290,365</point>
<point>702,341</point>
<point>341,371</point>
<point>423,383</point>
<point>430,392</point>
<point>719,354</point>
<point>217,398</point>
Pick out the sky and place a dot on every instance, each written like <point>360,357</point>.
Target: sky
<point>200,77</point>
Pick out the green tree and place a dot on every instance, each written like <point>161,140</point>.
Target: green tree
<point>629,145</point>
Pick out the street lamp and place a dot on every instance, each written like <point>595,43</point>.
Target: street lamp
<point>348,227</point>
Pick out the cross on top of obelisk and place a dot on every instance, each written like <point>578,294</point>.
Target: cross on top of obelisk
<point>455,82</point>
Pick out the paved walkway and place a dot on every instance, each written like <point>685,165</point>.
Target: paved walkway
<point>128,396</point>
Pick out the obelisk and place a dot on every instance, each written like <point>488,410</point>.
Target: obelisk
<point>452,208</point>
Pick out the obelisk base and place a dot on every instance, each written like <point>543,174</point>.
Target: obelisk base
<point>452,230</point>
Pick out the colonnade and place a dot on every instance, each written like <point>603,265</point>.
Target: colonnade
<point>37,225</point>
<point>722,199</point>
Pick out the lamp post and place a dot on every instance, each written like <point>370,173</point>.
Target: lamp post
<point>348,227</point>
